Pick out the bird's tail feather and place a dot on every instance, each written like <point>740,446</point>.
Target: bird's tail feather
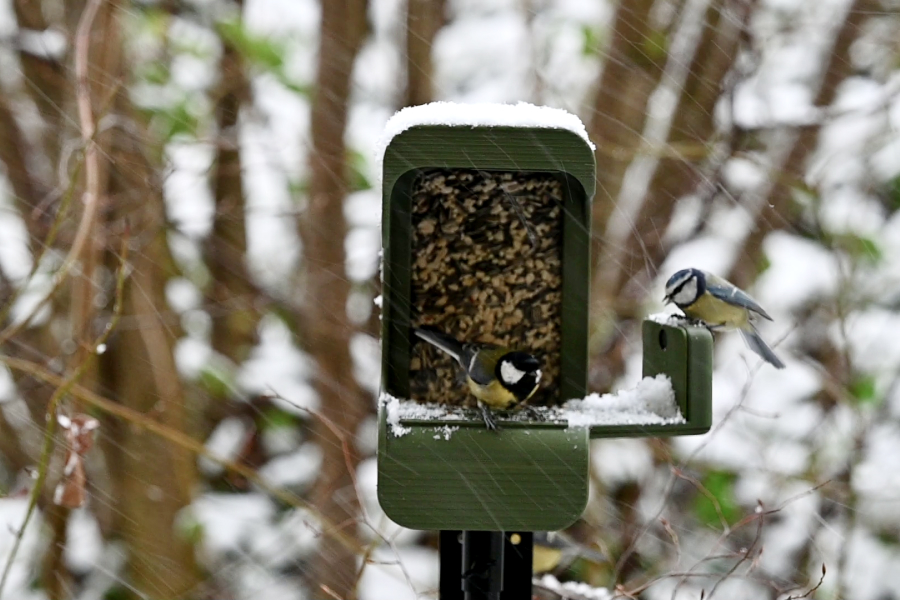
<point>441,340</point>
<point>756,343</point>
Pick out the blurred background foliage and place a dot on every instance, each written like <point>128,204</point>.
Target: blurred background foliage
<point>189,238</point>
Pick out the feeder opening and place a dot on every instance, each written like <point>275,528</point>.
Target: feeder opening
<point>486,266</point>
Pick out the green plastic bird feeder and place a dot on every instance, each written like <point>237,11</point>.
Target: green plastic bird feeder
<point>486,236</point>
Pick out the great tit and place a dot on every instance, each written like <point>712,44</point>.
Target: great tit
<point>555,551</point>
<point>720,305</point>
<point>498,377</point>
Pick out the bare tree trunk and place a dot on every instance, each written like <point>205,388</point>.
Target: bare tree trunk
<point>12,450</point>
<point>693,126</point>
<point>327,328</point>
<point>777,210</point>
<point>424,19</point>
<point>632,68</point>
<point>56,579</point>
<point>633,65</point>
<point>19,157</point>
<point>628,261</point>
<point>46,79</point>
<point>152,478</point>
<point>231,298</point>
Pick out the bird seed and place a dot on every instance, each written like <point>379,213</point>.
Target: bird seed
<point>486,267</point>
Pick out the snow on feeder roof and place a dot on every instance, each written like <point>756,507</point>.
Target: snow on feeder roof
<point>453,114</point>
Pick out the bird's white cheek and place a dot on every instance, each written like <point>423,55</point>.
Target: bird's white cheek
<point>687,294</point>
<point>510,374</point>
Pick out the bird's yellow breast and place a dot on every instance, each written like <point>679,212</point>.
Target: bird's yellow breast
<point>716,313</point>
<point>493,394</point>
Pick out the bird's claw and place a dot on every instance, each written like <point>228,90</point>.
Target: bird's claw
<point>488,417</point>
<point>692,322</point>
<point>534,413</point>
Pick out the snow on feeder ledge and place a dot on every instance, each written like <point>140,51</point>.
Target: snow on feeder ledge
<point>486,236</point>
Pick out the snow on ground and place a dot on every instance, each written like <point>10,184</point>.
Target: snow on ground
<point>297,469</point>
<point>15,259</point>
<point>24,568</point>
<point>407,573</point>
<point>224,443</point>
<point>620,460</point>
<point>580,590</point>
<point>83,526</point>
<point>276,365</point>
<point>376,524</point>
<point>230,521</point>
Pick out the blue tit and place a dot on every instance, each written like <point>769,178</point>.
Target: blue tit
<point>498,377</point>
<point>720,305</point>
<point>555,551</point>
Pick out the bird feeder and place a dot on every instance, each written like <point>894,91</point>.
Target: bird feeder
<point>486,236</point>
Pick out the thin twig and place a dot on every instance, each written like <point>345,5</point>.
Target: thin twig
<point>176,437</point>
<point>84,232</point>
<point>91,163</point>
<point>811,590</point>
<point>63,387</point>
<point>348,463</point>
<point>86,122</point>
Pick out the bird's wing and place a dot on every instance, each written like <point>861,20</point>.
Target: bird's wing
<point>447,343</point>
<point>731,294</point>
<point>482,370</point>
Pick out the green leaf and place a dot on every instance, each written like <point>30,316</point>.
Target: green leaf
<point>156,72</point>
<point>870,250</point>
<point>217,382</point>
<point>892,194</point>
<point>861,248</point>
<point>864,390</point>
<point>275,418</point>
<point>191,531</point>
<point>591,40</point>
<point>259,50</point>
<point>888,537</point>
<point>117,592</point>
<point>718,489</point>
<point>263,52</point>
<point>656,46</point>
<point>357,163</point>
<point>178,120</point>
<point>155,22</point>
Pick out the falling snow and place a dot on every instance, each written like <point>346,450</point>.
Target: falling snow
<point>829,281</point>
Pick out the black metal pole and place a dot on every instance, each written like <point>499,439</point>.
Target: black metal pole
<point>517,565</point>
<point>450,549</point>
<point>513,574</point>
<point>482,564</point>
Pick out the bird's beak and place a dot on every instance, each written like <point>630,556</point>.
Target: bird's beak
<point>667,300</point>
